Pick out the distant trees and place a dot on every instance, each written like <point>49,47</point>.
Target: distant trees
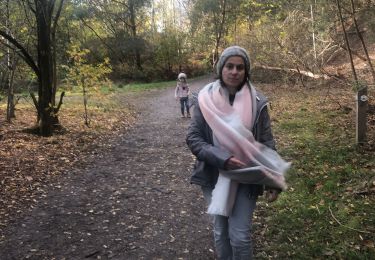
<point>121,26</point>
<point>213,24</point>
<point>146,40</point>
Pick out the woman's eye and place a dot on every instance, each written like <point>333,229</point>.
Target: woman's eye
<point>230,66</point>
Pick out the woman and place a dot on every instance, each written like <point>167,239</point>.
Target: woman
<point>229,114</point>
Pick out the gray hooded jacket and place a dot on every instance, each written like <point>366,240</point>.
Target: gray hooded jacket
<point>209,158</point>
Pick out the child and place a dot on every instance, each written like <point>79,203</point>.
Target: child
<point>182,92</point>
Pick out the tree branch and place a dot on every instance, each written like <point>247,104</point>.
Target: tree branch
<point>25,55</point>
<point>56,110</point>
<point>57,16</point>
<point>97,35</point>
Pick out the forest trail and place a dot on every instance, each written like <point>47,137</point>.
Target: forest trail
<point>132,202</point>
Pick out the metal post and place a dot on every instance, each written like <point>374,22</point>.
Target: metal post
<point>361,118</point>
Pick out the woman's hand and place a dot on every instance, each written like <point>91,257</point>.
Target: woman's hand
<point>233,164</point>
<point>272,195</point>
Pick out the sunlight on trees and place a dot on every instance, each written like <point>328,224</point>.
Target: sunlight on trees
<point>152,40</point>
<point>85,75</point>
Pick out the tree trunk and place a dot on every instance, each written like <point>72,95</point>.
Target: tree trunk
<point>45,64</point>
<point>54,51</point>
<point>134,35</point>
<point>220,30</point>
<point>10,74</point>
<point>11,101</point>
<point>86,116</point>
<point>313,31</point>
<point>347,42</point>
<point>363,42</point>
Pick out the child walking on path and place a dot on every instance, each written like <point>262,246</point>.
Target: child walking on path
<point>182,93</point>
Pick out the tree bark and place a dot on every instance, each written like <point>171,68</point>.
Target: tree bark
<point>45,64</point>
<point>134,34</point>
<point>219,30</point>
<point>10,74</point>
<point>54,51</point>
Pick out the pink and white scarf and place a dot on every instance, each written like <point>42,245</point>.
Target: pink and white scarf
<point>231,126</point>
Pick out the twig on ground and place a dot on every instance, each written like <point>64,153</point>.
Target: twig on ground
<point>338,222</point>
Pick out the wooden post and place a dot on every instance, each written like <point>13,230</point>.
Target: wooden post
<point>361,118</point>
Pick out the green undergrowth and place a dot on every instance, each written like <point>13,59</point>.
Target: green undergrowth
<point>146,86</point>
<point>102,97</point>
<point>328,210</point>
<point>107,89</point>
<point>101,101</point>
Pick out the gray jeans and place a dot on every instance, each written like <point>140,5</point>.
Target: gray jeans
<point>233,234</point>
<point>184,102</point>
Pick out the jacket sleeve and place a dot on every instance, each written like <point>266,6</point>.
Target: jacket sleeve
<point>199,140</point>
<point>264,130</point>
<point>176,91</point>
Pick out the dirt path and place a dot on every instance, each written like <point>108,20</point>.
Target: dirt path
<point>133,202</point>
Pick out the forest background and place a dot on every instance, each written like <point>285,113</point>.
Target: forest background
<point>52,46</point>
<point>55,50</point>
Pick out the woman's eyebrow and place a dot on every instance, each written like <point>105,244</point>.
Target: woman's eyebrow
<point>230,63</point>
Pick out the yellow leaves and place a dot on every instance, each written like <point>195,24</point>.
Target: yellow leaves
<point>24,30</point>
<point>316,207</point>
<point>82,73</point>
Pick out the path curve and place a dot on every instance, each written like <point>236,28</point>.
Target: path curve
<point>133,202</point>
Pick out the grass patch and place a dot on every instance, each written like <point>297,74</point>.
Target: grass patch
<point>121,87</point>
<point>101,101</point>
<point>145,86</point>
<point>327,212</point>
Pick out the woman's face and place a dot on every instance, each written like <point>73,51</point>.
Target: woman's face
<point>233,73</point>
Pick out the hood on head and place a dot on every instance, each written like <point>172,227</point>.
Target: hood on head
<point>182,76</point>
<point>233,51</point>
